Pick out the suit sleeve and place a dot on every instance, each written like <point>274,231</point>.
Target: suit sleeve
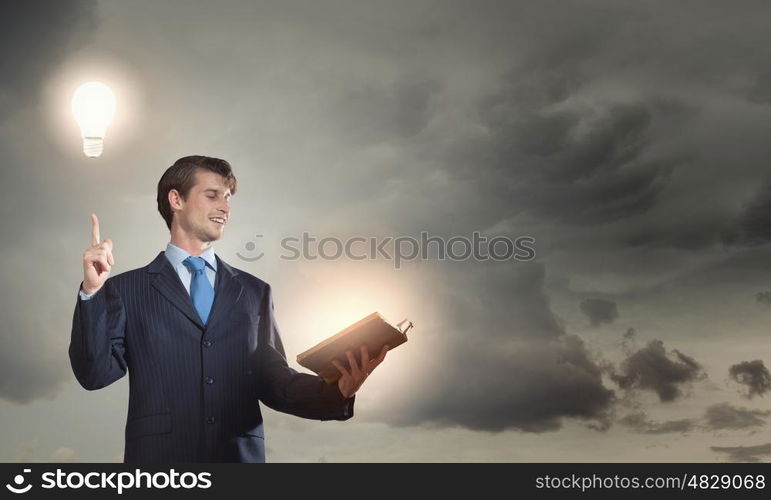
<point>287,390</point>
<point>98,340</point>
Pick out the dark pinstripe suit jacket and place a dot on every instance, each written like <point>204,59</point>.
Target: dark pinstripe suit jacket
<point>193,389</point>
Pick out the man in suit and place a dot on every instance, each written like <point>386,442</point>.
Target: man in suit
<point>197,336</point>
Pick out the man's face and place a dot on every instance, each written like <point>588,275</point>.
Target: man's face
<point>207,208</point>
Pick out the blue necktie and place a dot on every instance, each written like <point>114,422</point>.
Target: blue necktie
<point>200,288</point>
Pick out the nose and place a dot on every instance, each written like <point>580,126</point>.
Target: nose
<point>225,207</point>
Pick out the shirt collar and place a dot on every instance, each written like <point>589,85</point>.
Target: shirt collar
<point>176,256</point>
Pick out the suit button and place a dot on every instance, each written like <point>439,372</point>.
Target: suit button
<point>211,420</point>
<point>207,343</point>
<point>209,380</point>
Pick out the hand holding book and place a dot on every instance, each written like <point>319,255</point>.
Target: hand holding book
<point>345,357</point>
<point>351,379</point>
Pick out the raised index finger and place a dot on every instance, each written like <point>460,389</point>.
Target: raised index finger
<point>94,230</point>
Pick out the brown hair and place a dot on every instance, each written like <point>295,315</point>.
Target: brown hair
<point>181,176</point>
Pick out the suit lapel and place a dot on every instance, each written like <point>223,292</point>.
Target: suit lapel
<point>166,280</point>
<point>227,291</point>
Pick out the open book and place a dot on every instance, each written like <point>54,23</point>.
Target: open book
<point>373,330</point>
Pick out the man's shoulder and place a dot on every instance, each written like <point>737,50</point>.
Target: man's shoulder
<point>246,278</point>
<point>133,274</point>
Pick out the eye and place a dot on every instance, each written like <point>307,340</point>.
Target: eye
<point>212,196</point>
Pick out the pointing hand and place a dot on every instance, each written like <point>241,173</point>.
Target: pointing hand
<point>97,260</point>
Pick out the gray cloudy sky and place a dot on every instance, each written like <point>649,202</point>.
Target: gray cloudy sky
<point>628,138</point>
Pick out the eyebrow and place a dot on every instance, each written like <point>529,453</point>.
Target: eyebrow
<point>214,190</point>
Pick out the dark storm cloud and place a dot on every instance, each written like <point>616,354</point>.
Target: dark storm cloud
<point>599,311</point>
<point>726,416</point>
<point>395,112</point>
<point>629,341</point>
<point>29,370</point>
<point>588,124</point>
<point>542,153</point>
<point>753,224</point>
<point>652,368</point>
<point>578,166</point>
<point>763,297</point>
<point>639,422</point>
<point>760,89</point>
<point>531,389</point>
<point>753,375</point>
<point>744,453</point>
<point>721,416</point>
<point>515,370</point>
<point>633,152</point>
<point>581,116</point>
<point>34,38</point>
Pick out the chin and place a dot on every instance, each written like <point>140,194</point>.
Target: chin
<point>209,236</point>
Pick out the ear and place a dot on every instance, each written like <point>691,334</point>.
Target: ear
<point>175,200</point>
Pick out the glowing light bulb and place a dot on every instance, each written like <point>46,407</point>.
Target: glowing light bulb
<point>93,105</point>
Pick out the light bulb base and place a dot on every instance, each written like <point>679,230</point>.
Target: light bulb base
<point>93,146</point>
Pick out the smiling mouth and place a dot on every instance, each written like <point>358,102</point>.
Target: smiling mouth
<point>217,220</point>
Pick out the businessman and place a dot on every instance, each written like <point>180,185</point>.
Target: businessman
<point>197,336</point>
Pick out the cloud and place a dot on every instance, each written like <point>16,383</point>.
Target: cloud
<point>32,452</point>
<point>753,224</point>
<point>34,362</point>
<point>760,90</point>
<point>34,40</point>
<point>25,60</point>
<point>599,311</point>
<point>572,164</point>
<point>394,112</point>
<point>419,119</point>
<point>753,375</point>
<point>639,422</point>
<point>724,416</point>
<point>652,368</point>
<point>64,455</point>
<point>763,297</point>
<point>530,390</point>
<point>511,368</point>
<point>744,453</point>
<point>578,133</point>
<point>629,340</point>
<point>721,416</point>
